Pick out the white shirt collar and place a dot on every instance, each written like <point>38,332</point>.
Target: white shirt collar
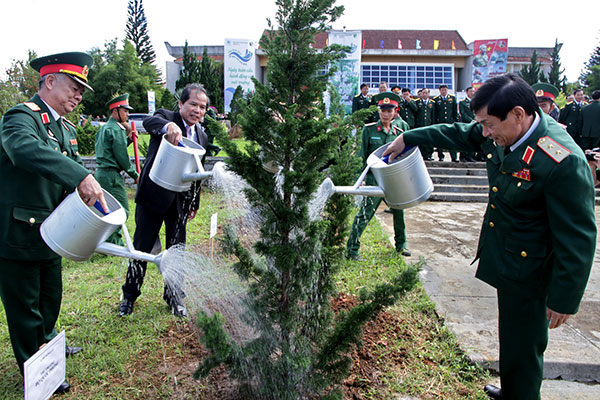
<point>532,128</point>
<point>55,115</point>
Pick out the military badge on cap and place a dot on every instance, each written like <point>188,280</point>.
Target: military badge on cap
<point>75,64</point>
<point>545,91</point>
<point>387,100</point>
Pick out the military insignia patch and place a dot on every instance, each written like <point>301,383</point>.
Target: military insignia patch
<point>73,142</point>
<point>45,118</point>
<point>524,174</point>
<point>32,106</point>
<point>528,155</point>
<point>556,151</point>
<point>539,93</point>
<point>378,128</point>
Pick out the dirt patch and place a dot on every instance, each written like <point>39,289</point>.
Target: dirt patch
<point>176,369</point>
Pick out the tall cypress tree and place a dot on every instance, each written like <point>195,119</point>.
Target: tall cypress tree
<point>191,68</point>
<point>555,75</point>
<point>588,69</point>
<point>298,350</point>
<point>531,73</point>
<point>137,31</point>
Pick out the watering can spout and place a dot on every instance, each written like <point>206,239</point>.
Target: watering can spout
<point>111,249</point>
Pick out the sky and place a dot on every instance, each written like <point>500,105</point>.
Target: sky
<point>68,25</point>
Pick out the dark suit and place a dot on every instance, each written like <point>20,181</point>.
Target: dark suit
<point>39,165</point>
<point>590,125</point>
<point>156,205</point>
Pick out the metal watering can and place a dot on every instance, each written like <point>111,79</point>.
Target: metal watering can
<point>404,183</point>
<point>75,231</point>
<point>175,167</point>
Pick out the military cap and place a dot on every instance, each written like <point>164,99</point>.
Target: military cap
<point>119,101</point>
<point>545,91</point>
<point>396,89</point>
<point>387,100</point>
<point>75,64</point>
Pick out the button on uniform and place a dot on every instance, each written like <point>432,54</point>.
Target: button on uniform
<point>489,156</point>
<point>32,220</point>
<point>524,254</point>
<point>65,152</point>
<point>494,189</point>
<point>492,224</point>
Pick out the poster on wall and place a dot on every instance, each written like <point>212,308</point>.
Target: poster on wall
<point>489,59</point>
<point>239,68</point>
<point>347,77</point>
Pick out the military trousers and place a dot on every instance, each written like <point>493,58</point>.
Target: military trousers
<point>111,180</point>
<point>147,228</point>
<point>368,206</point>
<point>523,332</point>
<point>31,293</point>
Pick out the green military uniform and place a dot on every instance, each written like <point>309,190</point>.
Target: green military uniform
<point>537,240</point>
<point>466,115</point>
<point>360,102</point>
<point>373,137</point>
<point>445,111</point>
<point>39,165</point>
<point>407,111</point>
<point>570,115</point>
<point>590,122</point>
<point>424,117</point>
<point>112,158</point>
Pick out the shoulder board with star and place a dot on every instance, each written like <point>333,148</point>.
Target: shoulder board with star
<point>371,123</point>
<point>569,102</point>
<point>357,95</point>
<point>436,97</point>
<point>32,106</point>
<point>555,150</point>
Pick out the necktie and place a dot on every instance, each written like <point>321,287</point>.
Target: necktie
<point>189,133</point>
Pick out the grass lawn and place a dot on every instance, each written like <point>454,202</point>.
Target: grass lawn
<point>151,355</point>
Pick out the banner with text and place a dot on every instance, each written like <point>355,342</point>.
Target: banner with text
<point>489,59</point>
<point>347,77</point>
<point>240,65</point>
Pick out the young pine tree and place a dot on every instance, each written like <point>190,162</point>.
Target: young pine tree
<point>136,31</point>
<point>298,350</point>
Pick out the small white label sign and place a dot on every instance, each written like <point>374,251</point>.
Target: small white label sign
<point>45,370</point>
<point>213,225</point>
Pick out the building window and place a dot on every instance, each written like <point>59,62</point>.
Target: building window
<point>412,76</point>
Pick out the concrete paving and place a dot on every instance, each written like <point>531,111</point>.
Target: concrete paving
<point>445,236</point>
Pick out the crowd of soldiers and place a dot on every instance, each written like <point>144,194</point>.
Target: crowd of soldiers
<point>583,127</point>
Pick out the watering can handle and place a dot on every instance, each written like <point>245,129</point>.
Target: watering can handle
<point>386,158</point>
<point>98,207</point>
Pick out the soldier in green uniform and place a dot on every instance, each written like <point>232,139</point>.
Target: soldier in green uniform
<point>111,155</point>
<point>466,115</point>
<point>445,111</point>
<point>361,100</point>
<point>545,94</point>
<point>375,135</point>
<point>39,165</point>
<point>538,237</point>
<point>424,117</point>
<point>408,108</point>
<point>570,115</point>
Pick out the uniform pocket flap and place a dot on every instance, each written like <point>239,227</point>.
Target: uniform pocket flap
<point>527,248</point>
<point>30,215</point>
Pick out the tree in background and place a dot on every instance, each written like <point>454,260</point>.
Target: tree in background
<point>555,75</point>
<point>531,73</point>
<point>589,76</point>
<point>121,71</point>
<point>298,350</point>
<point>238,95</point>
<point>21,84</point>
<point>136,31</point>
<point>206,71</point>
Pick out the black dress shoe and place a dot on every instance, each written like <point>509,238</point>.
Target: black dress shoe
<point>63,388</point>
<point>179,310</point>
<point>72,350</point>
<point>125,308</point>
<point>493,392</point>
<point>405,252</point>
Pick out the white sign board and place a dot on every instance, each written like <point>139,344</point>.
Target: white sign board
<point>151,102</point>
<point>213,225</point>
<point>45,370</point>
<point>239,68</point>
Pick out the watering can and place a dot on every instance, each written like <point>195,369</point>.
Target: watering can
<point>404,183</point>
<point>75,230</point>
<point>176,167</point>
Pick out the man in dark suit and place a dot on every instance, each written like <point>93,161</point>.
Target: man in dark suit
<point>590,123</point>
<point>155,204</point>
<point>538,237</point>
<point>39,166</point>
